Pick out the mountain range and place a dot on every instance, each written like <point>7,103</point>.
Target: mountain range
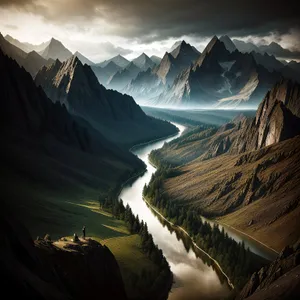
<point>151,83</point>
<point>115,115</point>
<point>221,76</point>
<point>272,49</point>
<point>224,75</point>
<point>31,61</point>
<point>26,47</point>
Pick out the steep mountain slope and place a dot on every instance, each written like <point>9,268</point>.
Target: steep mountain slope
<point>230,46</point>
<point>56,50</point>
<point>31,61</point>
<point>175,62</point>
<point>26,47</point>
<point>261,163</point>
<point>119,60</point>
<point>38,135</point>
<point>280,280</point>
<point>103,74</point>
<point>123,77</point>
<point>143,62</point>
<point>83,59</point>
<point>116,116</point>
<point>145,86</point>
<point>152,83</point>
<point>268,61</point>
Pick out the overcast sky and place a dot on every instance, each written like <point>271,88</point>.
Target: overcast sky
<point>100,29</point>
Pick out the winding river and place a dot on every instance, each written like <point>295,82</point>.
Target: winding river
<point>195,274</point>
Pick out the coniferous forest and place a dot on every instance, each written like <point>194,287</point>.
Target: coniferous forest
<point>149,282</point>
<point>236,261</point>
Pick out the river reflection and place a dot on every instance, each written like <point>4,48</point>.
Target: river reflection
<point>194,274</point>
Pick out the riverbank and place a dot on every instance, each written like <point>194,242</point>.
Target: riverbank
<point>235,260</point>
<point>176,227</point>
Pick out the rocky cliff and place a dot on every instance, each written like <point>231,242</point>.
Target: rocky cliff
<point>279,280</point>
<point>55,270</point>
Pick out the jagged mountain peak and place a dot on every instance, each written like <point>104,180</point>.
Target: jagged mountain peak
<point>184,48</point>
<point>215,49</point>
<point>143,62</point>
<point>230,46</point>
<point>56,49</point>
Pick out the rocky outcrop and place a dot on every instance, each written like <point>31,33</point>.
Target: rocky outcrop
<point>55,270</point>
<point>280,280</point>
<point>277,119</point>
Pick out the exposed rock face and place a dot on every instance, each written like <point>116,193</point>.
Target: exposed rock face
<point>56,50</point>
<point>280,280</point>
<point>277,119</point>
<point>115,115</point>
<point>144,62</point>
<point>42,270</point>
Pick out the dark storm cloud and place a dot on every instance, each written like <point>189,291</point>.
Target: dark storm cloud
<point>159,19</point>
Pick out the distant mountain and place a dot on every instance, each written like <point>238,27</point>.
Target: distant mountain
<point>56,50</point>
<point>294,65</point>
<point>145,86</point>
<point>175,62</point>
<point>222,78</point>
<point>123,77</point>
<point>116,116</point>
<point>119,60</point>
<point>104,74</point>
<point>32,61</point>
<point>155,59</point>
<point>83,59</point>
<point>26,47</point>
<point>151,83</point>
<point>268,61</point>
<point>272,49</point>
<point>143,62</point>
<point>245,46</point>
<point>230,46</point>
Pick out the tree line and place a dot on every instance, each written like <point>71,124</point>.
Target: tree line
<point>237,262</point>
<point>149,281</point>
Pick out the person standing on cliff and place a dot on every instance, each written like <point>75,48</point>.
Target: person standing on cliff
<point>83,232</point>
